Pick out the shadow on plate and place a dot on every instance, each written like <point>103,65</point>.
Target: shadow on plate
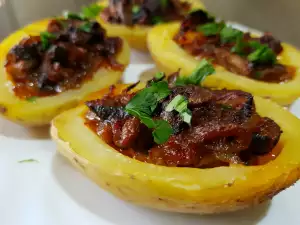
<point>107,207</point>
<point>13,130</point>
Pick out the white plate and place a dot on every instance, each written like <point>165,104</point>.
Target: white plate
<point>51,192</point>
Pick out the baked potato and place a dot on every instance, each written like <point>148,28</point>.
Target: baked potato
<point>36,111</point>
<point>169,56</point>
<point>136,35</point>
<point>179,189</point>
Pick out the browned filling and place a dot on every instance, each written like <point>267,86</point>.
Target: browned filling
<point>62,58</point>
<point>233,55</point>
<point>144,12</point>
<point>225,129</point>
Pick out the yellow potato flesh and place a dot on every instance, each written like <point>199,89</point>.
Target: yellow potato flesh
<point>169,57</point>
<point>44,109</point>
<point>188,190</point>
<point>136,35</point>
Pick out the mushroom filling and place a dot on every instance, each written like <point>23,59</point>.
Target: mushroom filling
<point>256,58</point>
<point>61,58</point>
<point>144,12</point>
<point>190,126</point>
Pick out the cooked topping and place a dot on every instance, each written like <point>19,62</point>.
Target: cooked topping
<point>202,36</point>
<point>144,12</point>
<point>61,58</point>
<point>188,126</point>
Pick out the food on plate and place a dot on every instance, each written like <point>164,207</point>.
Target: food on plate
<point>133,19</point>
<point>50,65</point>
<point>259,64</point>
<point>174,145</point>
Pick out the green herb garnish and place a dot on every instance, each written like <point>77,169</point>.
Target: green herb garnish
<point>159,75</point>
<point>180,104</point>
<point>203,70</point>
<point>229,34</point>
<point>143,105</point>
<point>73,16</point>
<point>226,107</point>
<point>135,9</point>
<point>162,131</point>
<point>45,39</point>
<point>91,11</point>
<point>28,161</point>
<point>157,20</point>
<point>31,99</point>
<point>262,53</point>
<point>210,29</point>
<point>239,46</point>
<point>86,27</point>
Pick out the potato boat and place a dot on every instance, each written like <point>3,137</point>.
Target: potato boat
<point>257,64</point>
<point>136,35</point>
<point>28,94</point>
<point>168,177</point>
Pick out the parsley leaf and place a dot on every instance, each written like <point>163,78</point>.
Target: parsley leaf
<point>229,34</point>
<point>157,20</point>
<point>135,9</point>
<point>45,39</point>
<point>262,53</point>
<point>86,27</point>
<point>159,75</point>
<point>143,105</point>
<point>210,29</point>
<point>31,99</point>
<point>73,16</point>
<point>28,161</point>
<point>203,70</point>
<point>180,104</point>
<point>91,11</point>
<point>239,46</point>
<point>226,107</point>
<point>162,131</point>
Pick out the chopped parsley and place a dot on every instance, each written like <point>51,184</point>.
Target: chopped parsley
<point>162,131</point>
<point>210,29</point>
<point>135,9</point>
<point>262,53</point>
<point>86,27</point>
<point>226,107</point>
<point>203,70</point>
<point>180,104</point>
<point>157,20</point>
<point>229,34</point>
<point>145,102</point>
<point>91,11</point>
<point>87,12</point>
<point>72,16</point>
<point>28,161</point>
<point>159,75</point>
<point>143,105</point>
<point>45,39</point>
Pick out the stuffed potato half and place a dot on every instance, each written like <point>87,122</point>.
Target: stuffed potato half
<point>169,56</point>
<point>188,190</point>
<point>44,109</point>
<point>136,35</point>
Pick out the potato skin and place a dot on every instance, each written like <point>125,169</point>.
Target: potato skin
<point>187,190</point>
<point>136,36</point>
<point>170,57</point>
<point>43,110</point>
